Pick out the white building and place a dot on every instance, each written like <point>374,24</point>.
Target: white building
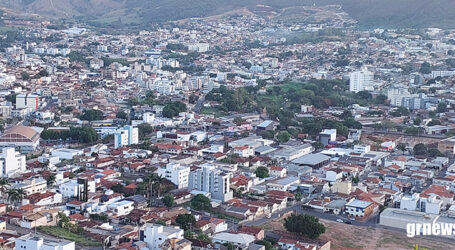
<point>431,204</point>
<point>211,180</point>
<point>32,186</point>
<point>176,173</point>
<point>327,135</point>
<point>27,101</point>
<point>125,136</point>
<point>395,95</point>
<point>72,188</point>
<point>239,240</point>
<point>66,153</point>
<point>31,242</point>
<point>11,162</point>
<point>154,235</point>
<point>121,208</point>
<point>361,80</point>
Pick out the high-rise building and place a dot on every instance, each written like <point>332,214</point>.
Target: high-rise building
<point>125,136</point>
<point>27,101</point>
<point>211,180</point>
<point>176,173</point>
<point>361,80</point>
<point>11,162</point>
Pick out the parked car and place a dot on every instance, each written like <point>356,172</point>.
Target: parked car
<point>340,220</point>
<point>348,222</point>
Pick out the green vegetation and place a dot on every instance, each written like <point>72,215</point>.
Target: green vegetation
<point>121,115</point>
<point>201,202</point>
<point>168,200</point>
<point>262,172</point>
<point>66,234</point>
<point>92,115</point>
<point>305,225</point>
<point>173,109</point>
<point>81,134</point>
<point>185,221</point>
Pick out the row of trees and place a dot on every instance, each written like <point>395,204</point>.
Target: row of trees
<point>81,134</point>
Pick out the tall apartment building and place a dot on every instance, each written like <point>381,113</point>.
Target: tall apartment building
<point>125,136</point>
<point>212,180</point>
<point>11,162</point>
<point>27,101</point>
<point>176,173</point>
<point>361,80</point>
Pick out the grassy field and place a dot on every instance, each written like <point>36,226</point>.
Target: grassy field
<point>63,233</point>
<point>212,111</point>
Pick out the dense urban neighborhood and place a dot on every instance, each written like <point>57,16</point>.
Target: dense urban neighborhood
<point>236,131</point>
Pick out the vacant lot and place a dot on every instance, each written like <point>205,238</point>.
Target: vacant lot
<point>63,233</point>
<point>349,236</point>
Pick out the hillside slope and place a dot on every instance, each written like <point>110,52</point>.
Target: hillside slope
<point>369,13</point>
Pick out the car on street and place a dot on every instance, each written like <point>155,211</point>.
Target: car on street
<point>348,222</point>
<point>340,220</point>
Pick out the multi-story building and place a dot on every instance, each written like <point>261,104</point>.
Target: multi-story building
<point>211,180</point>
<point>27,101</point>
<point>396,94</point>
<point>361,80</point>
<point>176,173</point>
<point>359,208</point>
<point>32,186</point>
<point>327,136</point>
<point>447,145</point>
<point>29,241</point>
<point>154,235</point>
<point>127,135</point>
<point>11,162</point>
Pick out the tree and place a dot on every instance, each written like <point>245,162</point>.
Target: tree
<point>317,145</point>
<point>442,107</point>
<point>417,121</point>
<point>43,72</point>
<point>50,179</point>
<point>262,172</point>
<point>4,185</point>
<point>201,202</point>
<point>420,149</point>
<point>25,76</point>
<point>434,122</point>
<point>298,196</point>
<point>434,152</point>
<point>425,68</point>
<point>16,195</point>
<point>92,115</point>
<point>305,225</point>
<point>268,245</point>
<point>121,115</point>
<point>173,109</point>
<point>204,237</point>
<point>185,221</point>
<point>283,136</point>
<point>168,200</point>
<point>144,129</point>
<point>402,146</point>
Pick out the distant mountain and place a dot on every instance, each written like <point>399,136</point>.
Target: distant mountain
<point>369,13</point>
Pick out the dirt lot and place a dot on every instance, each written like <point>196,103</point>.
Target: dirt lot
<point>344,236</point>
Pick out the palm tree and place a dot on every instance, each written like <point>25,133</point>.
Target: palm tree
<point>15,195</point>
<point>154,184</point>
<point>4,186</point>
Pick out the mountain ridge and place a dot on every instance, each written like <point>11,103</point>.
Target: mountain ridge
<point>368,13</point>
